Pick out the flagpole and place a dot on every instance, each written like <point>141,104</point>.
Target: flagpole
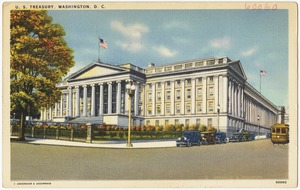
<point>99,51</point>
<point>260,82</point>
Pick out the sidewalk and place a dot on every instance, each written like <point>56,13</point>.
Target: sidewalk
<point>103,144</point>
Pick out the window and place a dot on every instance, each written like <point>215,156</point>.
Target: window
<point>149,110</point>
<point>176,121</point>
<point>283,130</point>
<point>198,122</point>
<point>188,81</point>
<point>156,122</point>
<point>199,106</point>
<point>199,80</point>
<point>168,68</point>
<point>211,106</point>
<point>168,109</point>
<point>188,93</point>
<point>178,82</point>
<point>177,108</point>
<point>211,91</point>
<point>211,80</point>
<point>168,83</point>
<point>158,109</point>
<point>178,94</point>
<point>158,96</point>
<point>158,85</point>
<point>149,86</point>
<point>209,122</point>
<point>187,122</point>
<point>220,61</point>
<point>149,97</point>
<point>188,108</point>
<point>199,92</point>
<point>168,95</point>
<point>148,122</point>
<point>166,122</point>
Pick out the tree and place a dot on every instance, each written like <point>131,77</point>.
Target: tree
<point>39,58</point>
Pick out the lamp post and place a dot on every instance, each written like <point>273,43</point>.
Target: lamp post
<point>130,89</point>
<point>218,110</point>
<point>258,125</point>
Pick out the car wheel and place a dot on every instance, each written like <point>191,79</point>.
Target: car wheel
<point>177,145</point>
<point>189,144</point>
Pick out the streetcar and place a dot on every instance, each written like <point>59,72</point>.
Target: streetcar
<point>280,134</point>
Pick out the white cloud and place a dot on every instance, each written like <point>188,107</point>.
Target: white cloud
<point>224,42</point>
<point>249,52</point>
<point>132,35</point>
<point>176,25</point>
<point>166,52</point>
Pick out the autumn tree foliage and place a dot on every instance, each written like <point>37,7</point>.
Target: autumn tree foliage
<point>39,58</point>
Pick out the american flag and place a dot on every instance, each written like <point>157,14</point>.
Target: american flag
<point>103,43</point>
<point>263,73</point>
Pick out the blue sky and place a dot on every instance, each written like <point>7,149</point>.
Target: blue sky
<point>259,39</point>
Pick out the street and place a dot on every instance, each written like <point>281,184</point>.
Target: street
<point>245,160</point>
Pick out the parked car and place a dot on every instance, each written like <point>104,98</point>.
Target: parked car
<point>208,137</point>
<point>189,138</point>
<point>236,137</point>
<point>220,137</point>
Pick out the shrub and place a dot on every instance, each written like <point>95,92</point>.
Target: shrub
<point>134,128</point>
<point>193,127</point>
<point>112,134</point>
<point>143,128</point>
<point>108,128</point>
<point>150,128</point>
<point>70,126</point>
<point>121,135</point>
<point>83,127</point>
<point>202,128</point>
<point>167,128</point>
<point>211,128</point>
<point>185,128</point>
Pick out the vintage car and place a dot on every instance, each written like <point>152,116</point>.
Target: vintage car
<point>220,137</point>
<point>208,137</point>
<point>236,137</point>
<point>189,138</point>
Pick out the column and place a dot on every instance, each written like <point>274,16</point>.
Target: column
<point>204,95</point>
<point>224,107</point>
<point>93,101</point>
<point>61,104</point>
<point>217,93</point>
<point>242,101</point>
<point>193,91</point>
<point>70,101</point>
<point>232,98</point>
<point>50,113</point>
<point>109,100</point>
<point>101,99</point>
<point>229,97</point>
<point>172,96</point>
<point>84,101</point>
<point>55,109</point>
<point>163,98</point>
<point>42,115</point>
<point>118,100</point>
<point>153,99</point>
<point>77,101</point>
<point>182,96</point>
<point>45,114</point>
<point>136,99</point>
<point>239,101</point>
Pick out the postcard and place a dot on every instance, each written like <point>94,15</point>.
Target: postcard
<point>150,94</point>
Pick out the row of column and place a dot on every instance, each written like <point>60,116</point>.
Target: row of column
<point>70,101</point>
<point>252,110</point>
<point>235,98</point>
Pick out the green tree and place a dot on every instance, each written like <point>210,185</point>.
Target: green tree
<point>39,58</point>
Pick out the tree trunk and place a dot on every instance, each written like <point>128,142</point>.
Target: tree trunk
<point>22,123</point>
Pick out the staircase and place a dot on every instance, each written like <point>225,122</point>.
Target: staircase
<point>92,120</point>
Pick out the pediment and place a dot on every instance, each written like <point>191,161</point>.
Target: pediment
<point>95,70</point>
<point>237,67</point>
